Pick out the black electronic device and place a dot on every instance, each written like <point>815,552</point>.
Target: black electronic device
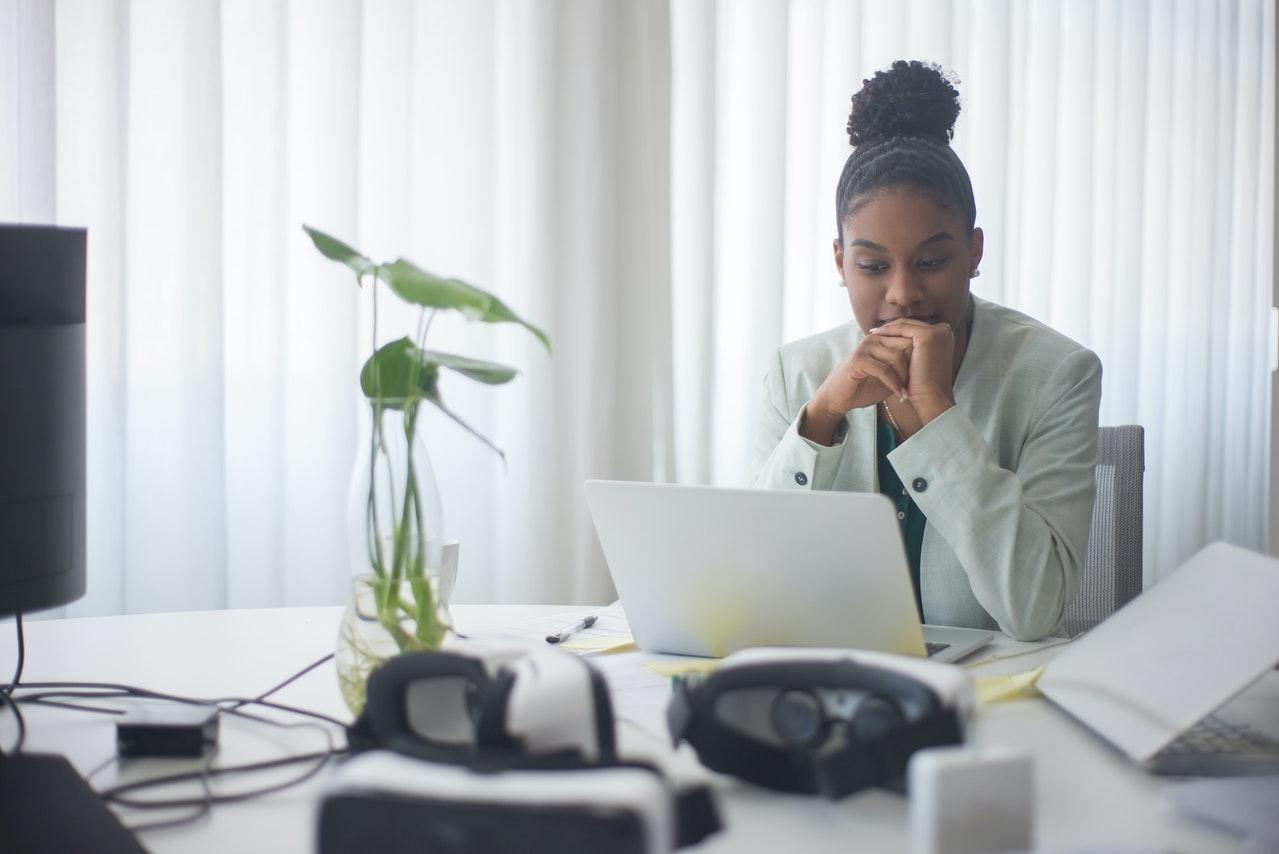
<point>168,730</point>
<point>48,807</point>
<point>42,417</point>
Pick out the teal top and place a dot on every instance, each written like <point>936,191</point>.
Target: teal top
<point>909,516</point>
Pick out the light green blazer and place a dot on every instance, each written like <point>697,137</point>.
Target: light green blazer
<point>1007,473</point>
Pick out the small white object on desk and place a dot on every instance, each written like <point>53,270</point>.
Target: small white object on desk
<point>966,800</point>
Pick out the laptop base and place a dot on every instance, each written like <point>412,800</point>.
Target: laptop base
<point>1216,748</point>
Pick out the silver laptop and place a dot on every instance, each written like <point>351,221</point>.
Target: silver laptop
<point>1154,679</point>
<point>706,571</point>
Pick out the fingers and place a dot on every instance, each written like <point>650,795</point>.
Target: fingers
<point>886,363</point>
<point>884,375</point>
<point>895,353</point>
<point>907,328</point>
<point>890,343</point>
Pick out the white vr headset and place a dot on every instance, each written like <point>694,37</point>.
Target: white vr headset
<point>490,707</point>
<point>486,748</point>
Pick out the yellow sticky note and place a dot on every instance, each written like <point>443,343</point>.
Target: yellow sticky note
<point>1018,686</point>
<point>682,668</point>
<point>598,644</point>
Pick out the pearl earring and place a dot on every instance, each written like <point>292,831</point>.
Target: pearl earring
<point>975,274</point>
<point>839,283</point>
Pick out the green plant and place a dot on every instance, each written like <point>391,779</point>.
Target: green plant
<point>398,378</point>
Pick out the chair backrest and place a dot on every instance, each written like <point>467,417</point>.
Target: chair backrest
<point>1111,577</point>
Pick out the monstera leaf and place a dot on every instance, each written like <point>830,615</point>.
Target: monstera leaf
<point>336,250</point>
<point>415,285</point>
<point>400,373</point>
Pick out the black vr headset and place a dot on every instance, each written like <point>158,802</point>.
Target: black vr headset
<point>817,721</point>
<point>488,748</point>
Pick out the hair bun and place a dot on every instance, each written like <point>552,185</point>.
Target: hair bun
<point>909,99</point>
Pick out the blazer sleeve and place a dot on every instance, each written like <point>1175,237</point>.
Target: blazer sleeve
<point>1020,535</point>
<point>782,458</point>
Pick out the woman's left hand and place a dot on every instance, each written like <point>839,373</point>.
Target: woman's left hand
<point>931,384</point>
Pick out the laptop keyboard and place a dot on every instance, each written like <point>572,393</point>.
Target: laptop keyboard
<point>1213,735</point>
<point>934,648</point>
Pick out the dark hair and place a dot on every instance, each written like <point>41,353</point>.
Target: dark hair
<point>900,128</point>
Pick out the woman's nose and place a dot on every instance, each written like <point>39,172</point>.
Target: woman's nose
<point>904,289</point>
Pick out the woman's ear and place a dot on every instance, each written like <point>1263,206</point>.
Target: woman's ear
<point>838,246</point>
<point>976,244</point>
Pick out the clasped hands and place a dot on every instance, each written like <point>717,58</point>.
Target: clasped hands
<point>907,360</point>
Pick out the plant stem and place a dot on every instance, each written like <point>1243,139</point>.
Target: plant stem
<point>403,528</point>
<point>375,526</point>
<point>429,631</point>
<point>375,441</point>
<point>370,535</point>
<point>413,494</point>
<point>423,329</point>
<point>386,594</point>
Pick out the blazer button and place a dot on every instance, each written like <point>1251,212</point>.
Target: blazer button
<point>919,484</point>
<point>801,478</point>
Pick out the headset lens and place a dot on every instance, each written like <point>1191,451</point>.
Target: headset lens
<point>797,717</point>
<point>443,709</point>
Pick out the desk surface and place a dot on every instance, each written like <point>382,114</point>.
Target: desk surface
<point>1087,796</point>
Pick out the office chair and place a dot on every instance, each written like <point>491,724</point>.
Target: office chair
<point>1111,577</point>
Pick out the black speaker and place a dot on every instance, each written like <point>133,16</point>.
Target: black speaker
<point>42,417</point>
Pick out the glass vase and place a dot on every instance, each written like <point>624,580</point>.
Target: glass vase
<point>394,530</point>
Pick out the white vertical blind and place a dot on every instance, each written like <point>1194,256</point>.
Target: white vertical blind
<point>749,176</point>
<point>693,226</point>
<point>173,369</point>
<point>255,308</point>
<point>27,125</point>
<point>1122,158</point>
<point>88,99</point>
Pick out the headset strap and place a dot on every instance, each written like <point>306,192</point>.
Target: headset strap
<point>696,816</point>
<point>882,761</point>
<point>857,765</point>
<point>359,735</point>
<point>721,749</point>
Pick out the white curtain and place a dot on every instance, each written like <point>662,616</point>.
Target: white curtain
<point>1122,156</point>
<point>651,182</point>
<point>519,146</point>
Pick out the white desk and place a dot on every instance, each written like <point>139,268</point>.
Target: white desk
<point>1087,796</point>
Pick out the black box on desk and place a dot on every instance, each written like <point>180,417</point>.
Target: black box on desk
<point>171,730</point>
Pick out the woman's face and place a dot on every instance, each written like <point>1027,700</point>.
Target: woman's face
<point>906,256</point>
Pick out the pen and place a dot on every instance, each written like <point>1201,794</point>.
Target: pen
<point>560,637</point>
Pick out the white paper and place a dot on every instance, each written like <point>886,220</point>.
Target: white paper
<point>609,631</point>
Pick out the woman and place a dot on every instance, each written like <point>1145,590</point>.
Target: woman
<point>977,421</point>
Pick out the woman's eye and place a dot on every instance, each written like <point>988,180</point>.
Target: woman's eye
<point>932,263</point>
<point>870,267</point>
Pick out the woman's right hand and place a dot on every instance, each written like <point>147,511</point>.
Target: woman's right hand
<point>879,367</point>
